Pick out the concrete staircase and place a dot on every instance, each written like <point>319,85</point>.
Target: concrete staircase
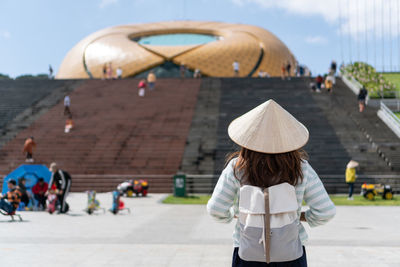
<point>16,96</point>
<point>117,134</point>
<point>182,127</point>
<point>387,144</point>
<point>23,101</point>
<point>363,135</point>
<point>336,129</point>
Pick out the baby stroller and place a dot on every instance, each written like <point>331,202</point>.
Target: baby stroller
<point>140,187</point>
<point>369,191</point>
<point>118,204</point>
<point>126,188</point>
<point>53,203</point>
<point>11,214</point>
<point>93,204</point>
<point>130,187</point>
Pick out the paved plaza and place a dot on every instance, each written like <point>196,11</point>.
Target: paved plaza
<point>156,234</point>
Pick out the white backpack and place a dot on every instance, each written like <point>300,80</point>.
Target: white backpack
<point>269,224</point>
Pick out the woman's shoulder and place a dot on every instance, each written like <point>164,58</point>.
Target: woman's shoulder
<point>230,165</point>
<point>232,162</point>
<point>308,171</point>
<point>305,165</point>
<point>229,170</point>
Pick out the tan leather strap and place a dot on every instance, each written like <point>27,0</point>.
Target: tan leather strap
<point>267,229</point>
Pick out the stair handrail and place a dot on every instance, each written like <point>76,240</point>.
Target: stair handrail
<point>389,118</point>
<point>386,109</point>
<point>351,82</point>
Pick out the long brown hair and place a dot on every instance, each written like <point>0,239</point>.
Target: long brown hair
<point>265,170</point>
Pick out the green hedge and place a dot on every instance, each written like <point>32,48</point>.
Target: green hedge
<point>374,82</point>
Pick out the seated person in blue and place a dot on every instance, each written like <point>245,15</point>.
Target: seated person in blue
<point>10,201</point>
<point>24,192</point>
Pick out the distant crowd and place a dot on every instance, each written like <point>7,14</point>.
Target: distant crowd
<point>328,81</point>
<point>18,195</point>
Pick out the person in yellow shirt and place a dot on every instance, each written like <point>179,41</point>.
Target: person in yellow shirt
<point>329,84</point>
<point>351,176</point>
<point>151,80</point>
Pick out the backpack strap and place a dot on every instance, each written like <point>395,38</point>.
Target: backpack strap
<point>267,227</point>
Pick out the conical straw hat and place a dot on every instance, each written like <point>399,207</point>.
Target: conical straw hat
<point>268,128</point>
<point>352,164</point>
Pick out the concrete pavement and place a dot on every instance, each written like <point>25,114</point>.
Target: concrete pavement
<point>156,234</point>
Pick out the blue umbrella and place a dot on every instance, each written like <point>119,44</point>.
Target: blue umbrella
<point>31,173</point>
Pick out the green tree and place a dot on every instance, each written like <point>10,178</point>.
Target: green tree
<point>4,77</point>
<point>41,76</point>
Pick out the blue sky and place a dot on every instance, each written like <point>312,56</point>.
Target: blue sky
<point>34,34</point>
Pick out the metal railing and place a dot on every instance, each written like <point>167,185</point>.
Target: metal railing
<point>352,83</point>
<point>200,183</point>
<point>389,118</point>
<point>388,111</point>
<point>205,183</point>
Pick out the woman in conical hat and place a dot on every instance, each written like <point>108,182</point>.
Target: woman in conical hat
<point>271,142</point>
<point>352,164</point>
<point>351,176</point>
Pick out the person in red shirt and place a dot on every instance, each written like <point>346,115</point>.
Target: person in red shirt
<point>319,81</point>
<point>39,193</point>
<point>283,71</point>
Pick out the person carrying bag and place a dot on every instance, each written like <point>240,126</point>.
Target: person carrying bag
<point>263,186</point>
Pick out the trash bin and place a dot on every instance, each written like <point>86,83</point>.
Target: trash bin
<point>179,185</point>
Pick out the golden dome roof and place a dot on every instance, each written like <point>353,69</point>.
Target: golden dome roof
<point>253,47</point>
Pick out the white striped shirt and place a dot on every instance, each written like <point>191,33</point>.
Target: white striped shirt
<point>224,202</point>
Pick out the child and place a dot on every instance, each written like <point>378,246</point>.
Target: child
<point>142,88</point>
<point>69,124</point>
<point>52,199</point>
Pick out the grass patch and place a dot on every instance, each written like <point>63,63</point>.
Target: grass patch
<point>397,114</point>
<point>339,200</point>
<point>361,201</point>
<point>393,78</point>
<point>197,200</point>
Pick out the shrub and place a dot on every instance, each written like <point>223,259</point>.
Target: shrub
<point>4,77</point>
<point>373,81</point>
<point>32,77</point>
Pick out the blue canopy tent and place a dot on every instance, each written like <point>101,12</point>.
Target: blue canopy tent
<point>31,173</point>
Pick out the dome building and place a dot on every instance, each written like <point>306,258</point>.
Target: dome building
<point>210,47</point>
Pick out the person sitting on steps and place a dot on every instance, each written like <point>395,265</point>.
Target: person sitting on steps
<point>39,193</point>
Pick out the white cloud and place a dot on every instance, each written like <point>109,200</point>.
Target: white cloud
<point>105,3</point>
<point>316,39</point>
<point>303,7</point>
<point>352,17</point>
<point>5,34</point>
